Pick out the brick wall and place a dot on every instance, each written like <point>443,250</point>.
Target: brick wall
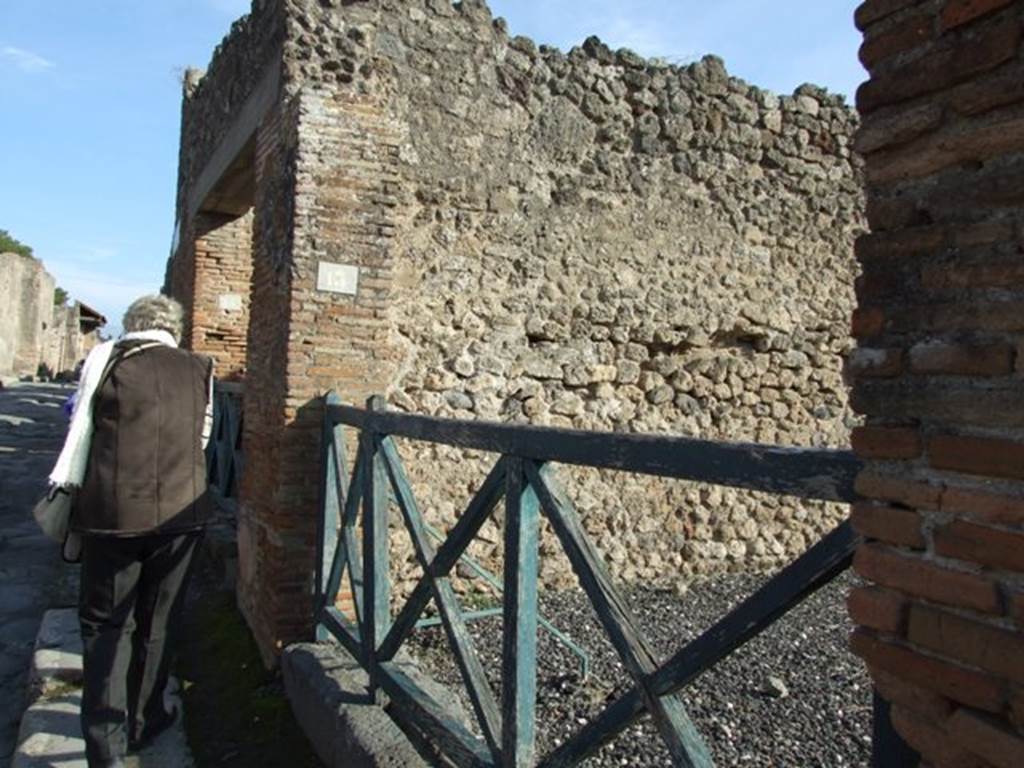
<point>259,540</point>
<point>219,313</point>
<point>937,375</point>
<point>324,175</point>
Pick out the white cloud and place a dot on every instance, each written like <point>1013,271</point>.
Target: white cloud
<point>26,61</point>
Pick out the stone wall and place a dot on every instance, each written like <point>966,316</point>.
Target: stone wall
<point>26,313</point>
<point>585,238</point>
<point>214,96</point>
<point>63,343</point>
<point>599,241</point>
<point>937,375</point>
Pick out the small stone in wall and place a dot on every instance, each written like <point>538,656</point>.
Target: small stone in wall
<point>568,404</point>
<point>464,366</point>
<point>459,400</point>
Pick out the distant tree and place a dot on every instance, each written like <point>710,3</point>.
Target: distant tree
<point>10,245</point>
<point>60,297</point>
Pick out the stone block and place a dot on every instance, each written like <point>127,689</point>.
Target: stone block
<point>328,693</point>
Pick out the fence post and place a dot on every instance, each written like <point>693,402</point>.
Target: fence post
<point>327,524</point>
<point>519,620</point>
<point>376,575</point>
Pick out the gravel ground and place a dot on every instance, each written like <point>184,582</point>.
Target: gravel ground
<point>794,696</point>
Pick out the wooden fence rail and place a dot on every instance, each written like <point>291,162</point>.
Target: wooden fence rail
<point>524,477</point>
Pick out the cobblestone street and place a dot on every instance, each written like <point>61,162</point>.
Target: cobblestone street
<point>32,576</point>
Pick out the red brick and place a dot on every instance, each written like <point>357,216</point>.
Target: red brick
<point>920,700</point>
<point>1003,87</point>
<point>1017,708</point>
<point>872,11</point>
<point>889,213</point>
<point>917,241</point>
<point>991,457</point>
<point>880,280</point>
<point>898,489</point>
<point>998,508</point>
<point>953,681</point>
<point>874,363</point>
<point>889,524</point>
<point>994,547</point>
<point>886,442</point>
<point>936,152</point>
<point>991,273</point>
<point>932,741</point>
<point>978,315</point>
<point>970,642</point>
<point>976,192</point>
<point>948,65</point>
<point>915,576</point>
<point>987,736</point>
<point>867,322</point>
<point>878,608</point>
<point>909,33</point>
<point>987,232</point>
<point>943,357</point>
<point>898,125</point>
<point>959,12</point>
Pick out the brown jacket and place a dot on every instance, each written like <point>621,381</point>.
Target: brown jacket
<point>146,470</point>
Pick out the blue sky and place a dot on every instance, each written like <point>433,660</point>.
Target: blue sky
<point>90,98</point>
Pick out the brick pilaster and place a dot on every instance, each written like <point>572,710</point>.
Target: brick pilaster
<point>937,374</point>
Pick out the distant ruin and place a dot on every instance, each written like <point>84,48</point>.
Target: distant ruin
<point>38,336</point>
<point>399,197</point>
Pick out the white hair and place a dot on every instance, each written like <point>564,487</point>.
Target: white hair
<point>155,312</point>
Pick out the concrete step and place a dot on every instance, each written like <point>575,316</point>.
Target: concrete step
<point>50,735</point>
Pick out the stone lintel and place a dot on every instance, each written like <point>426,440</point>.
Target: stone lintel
<point>238,138</point>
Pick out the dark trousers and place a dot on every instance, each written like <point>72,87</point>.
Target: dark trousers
<point>133,593</point>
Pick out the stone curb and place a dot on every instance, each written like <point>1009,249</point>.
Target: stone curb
<point>327,691</point>
<point>50,735</point>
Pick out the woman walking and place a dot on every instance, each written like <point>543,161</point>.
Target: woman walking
<point>135,453</point>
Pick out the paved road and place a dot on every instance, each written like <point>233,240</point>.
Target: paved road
<point>33,578</point>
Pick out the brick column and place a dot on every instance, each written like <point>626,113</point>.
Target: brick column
<point>937,375</point>
<point>325,171</point>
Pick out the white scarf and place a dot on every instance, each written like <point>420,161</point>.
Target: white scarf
<point>74,456</point>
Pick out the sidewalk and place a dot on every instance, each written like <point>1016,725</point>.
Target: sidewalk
<point>32,575</point>
<point>50,736</point>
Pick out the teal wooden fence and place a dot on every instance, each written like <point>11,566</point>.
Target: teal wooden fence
<point>353,537</point>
